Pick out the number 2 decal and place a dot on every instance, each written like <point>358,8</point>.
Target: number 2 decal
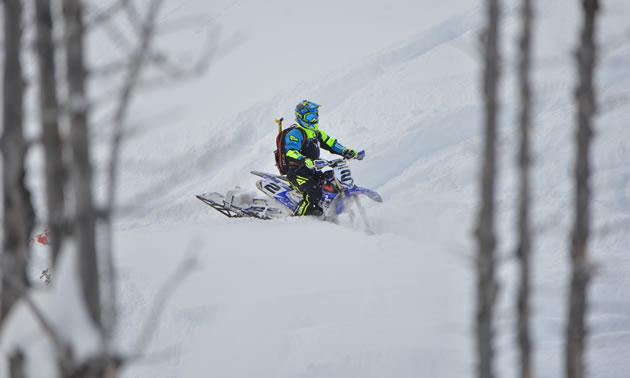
<point>273,188</point>
<point>345,175</point>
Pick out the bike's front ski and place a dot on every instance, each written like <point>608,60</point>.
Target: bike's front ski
<point>257,208</point>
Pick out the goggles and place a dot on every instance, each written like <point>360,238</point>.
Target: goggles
<point>312,117</point>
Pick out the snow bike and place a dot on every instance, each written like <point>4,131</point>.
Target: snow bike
<point>338,193</point>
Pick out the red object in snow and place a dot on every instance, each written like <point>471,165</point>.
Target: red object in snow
<point>43,238</point>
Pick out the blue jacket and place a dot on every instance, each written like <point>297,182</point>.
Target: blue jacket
<point>302,143</point>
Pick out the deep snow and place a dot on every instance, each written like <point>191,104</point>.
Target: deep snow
<point>304,299</point>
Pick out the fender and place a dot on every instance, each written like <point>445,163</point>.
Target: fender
<point>367,192</point>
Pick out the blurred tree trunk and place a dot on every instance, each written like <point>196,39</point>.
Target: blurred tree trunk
<point>487,286</point>
<point>523,248</point>
<point>49,109</point>
<point>16,365</point>
<point>72,215</point>
<point>18,217</point>
<point>580,274</point>
<point>84,221</point>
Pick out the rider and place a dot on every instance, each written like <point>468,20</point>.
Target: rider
<point>302,148</point>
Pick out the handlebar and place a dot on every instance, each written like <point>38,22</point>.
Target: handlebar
<point>321,164</point>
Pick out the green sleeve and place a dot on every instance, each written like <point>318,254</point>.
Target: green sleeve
<point>331,144</point>
<point>294,154</point>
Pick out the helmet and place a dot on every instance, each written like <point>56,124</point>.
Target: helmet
<point>307,115</point>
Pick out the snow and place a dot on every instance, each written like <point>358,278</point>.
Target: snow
<point>301,298</point>
<point>280,305</point>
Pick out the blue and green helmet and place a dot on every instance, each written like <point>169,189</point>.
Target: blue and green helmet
<point>307,115</point>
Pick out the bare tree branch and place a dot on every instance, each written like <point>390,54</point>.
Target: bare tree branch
<point>103,15</point>
<point>117,37</point>
<point>168,288</point>
<point>50,112</point>
<point>18,215</point>
<point>487,285</point>
<point>184,22</point>
<point>523,161</point>
<point>580,269</point>
<point>172,73</point>
<point>81,171</point>
<point>119,118</point>
<point>12,280</point>
<point>169,353</point>
<point>134,16</point>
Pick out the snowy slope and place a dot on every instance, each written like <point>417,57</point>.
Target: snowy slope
<point>297,298</point>
<point>304,299</point>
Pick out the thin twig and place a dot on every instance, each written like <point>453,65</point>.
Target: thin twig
<point>119,118</point>
<point>184,22</point>
<point>168,288</point>
<point>104,15</point>
<point>9,277</point>
<point>127,94</point>
<point>133,16</point>
<point>117,37</point>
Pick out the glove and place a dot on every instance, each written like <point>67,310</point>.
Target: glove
<point>314,164</point>
<point>348,153</point>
